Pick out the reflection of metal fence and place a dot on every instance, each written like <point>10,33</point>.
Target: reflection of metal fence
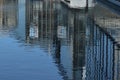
<point>102,56</point>
<point>117,64</point>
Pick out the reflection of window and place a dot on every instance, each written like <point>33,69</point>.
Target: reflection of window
<point>33,31</point>
<point>41,5</point>
<point>61,32</point>
<point>36,5</point>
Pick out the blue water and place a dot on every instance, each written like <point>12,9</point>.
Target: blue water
<point>20,60</point>
<point>24,62</point>
<point>42,41</point>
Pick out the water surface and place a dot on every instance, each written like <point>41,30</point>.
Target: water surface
<point>43,40</point>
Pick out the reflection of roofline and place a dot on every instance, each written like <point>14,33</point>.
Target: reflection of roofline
<point>115,2</point>
<point>110,5</point>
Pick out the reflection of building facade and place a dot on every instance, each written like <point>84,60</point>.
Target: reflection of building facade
<point>76,59</point>
<point>93,49</point>
<point>40,16</point>
<point>1,12</point>
<point>41,22</point>
<point>70,51</point>
<point>8,13</point>
<point>82,50</point>
<point>46,19</point>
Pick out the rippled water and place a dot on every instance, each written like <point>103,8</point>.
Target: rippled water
<point>42,40</point>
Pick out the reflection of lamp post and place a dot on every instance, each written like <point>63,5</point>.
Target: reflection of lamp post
<point>87,2</point>
<point>86,9</point>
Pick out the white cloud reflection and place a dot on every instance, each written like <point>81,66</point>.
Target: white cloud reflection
<point>81,3</point>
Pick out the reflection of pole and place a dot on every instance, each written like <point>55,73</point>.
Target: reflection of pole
<point>46,17</point>
<point>118,59</point>
<point>51,18</point>
<point>28,19</point>
<point>86,9</point>
<point>57,45</point>
<point>3,19</point>
<point>119,64</point>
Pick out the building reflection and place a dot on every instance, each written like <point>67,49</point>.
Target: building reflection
<point>41,22</point>
<point>51,25</point>
<point>40,18</point>
<point>77,40</point>
<point>81,49</point>
<point>8,13</point>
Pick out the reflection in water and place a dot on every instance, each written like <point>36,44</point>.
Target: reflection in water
<point>80,48</point>
<point>8,13</point>
<point>109,24</point>
<point>100,52</point>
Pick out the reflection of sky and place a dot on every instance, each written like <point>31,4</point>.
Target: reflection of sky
<point>80,3</point>
<point>24,62</point>
<point>20,31</point>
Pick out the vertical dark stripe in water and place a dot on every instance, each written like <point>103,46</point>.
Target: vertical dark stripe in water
<point>113,65</point>
<point>106,75</point>
<point>100,54</point>
<point>102,60</point>
<point>105,65</point>
<point>118,63</point>
<point>113,60</point>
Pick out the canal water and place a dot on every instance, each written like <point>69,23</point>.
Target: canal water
<point>50,40</point>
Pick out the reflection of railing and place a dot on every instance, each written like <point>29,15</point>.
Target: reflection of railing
<point>102,57</point>
<point>117,2</point>
<point>117,65</point>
